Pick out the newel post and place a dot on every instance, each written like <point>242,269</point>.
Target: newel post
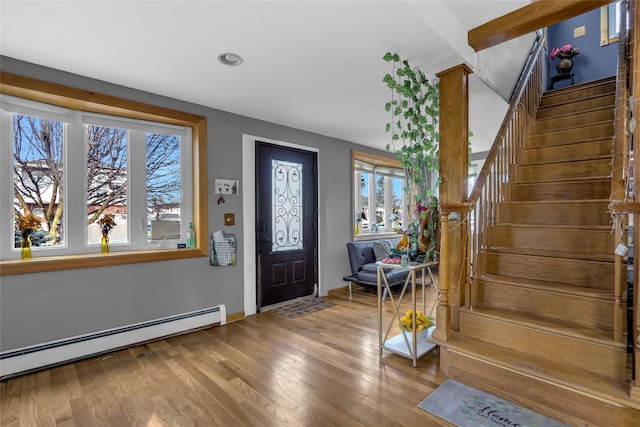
<point>454,168</point>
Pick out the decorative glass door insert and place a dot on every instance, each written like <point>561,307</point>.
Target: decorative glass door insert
<point>286,201</point>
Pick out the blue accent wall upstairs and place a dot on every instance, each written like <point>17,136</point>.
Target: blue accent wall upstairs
<point>595,61</point>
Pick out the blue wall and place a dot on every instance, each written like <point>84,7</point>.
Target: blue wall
<point>594,61</point>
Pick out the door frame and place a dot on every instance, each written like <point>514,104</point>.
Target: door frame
<point>249,216</point>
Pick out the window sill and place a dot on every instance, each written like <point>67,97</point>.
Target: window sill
<point>376,236</point>
<point>72,262</point>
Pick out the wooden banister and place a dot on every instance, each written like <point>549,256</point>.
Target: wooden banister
<point>491,183</point>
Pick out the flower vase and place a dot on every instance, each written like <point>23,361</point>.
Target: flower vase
<point>564,66</point>
<point>105,244</point>
<point>420,336</point>
<point>357,230</point>
<point>25,246</point>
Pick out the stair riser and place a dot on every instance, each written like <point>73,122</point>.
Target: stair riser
<point>580,190</point>
<point>588,312</point>
<point>577,106</point>
<point>573,121</point>
<point>571,96</point>
<point>593,357</point>
<point>593,242</point>
<point>564,153</point>
<point>566,170</point>
<point>555,213</point>
<point>570,136</point>
<point>562,403</point>
<point>592,274</point>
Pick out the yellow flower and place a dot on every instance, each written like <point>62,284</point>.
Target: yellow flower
<point>422,321</point>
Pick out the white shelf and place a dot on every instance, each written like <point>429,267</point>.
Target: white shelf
<point>398,345</point>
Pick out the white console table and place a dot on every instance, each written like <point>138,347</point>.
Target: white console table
<point>408,344</point>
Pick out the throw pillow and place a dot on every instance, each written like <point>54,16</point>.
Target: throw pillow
<point>381,249</point>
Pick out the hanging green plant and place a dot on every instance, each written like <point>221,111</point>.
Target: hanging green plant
<point>414,108</point>
<point>415,113</point>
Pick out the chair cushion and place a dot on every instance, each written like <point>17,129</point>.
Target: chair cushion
<point>369,275</point>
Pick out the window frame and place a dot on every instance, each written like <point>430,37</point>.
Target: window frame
<point>91,102</point>
<point>375,161</point>
<point>605,13</point>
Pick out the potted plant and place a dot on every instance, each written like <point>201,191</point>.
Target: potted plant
<point>566,54</point>
<point>423,323</point>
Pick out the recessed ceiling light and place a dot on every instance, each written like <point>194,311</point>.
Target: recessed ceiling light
<point>232,59</point>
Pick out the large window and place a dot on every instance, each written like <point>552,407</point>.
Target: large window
<point>379,204</point>
<point>69,168</point>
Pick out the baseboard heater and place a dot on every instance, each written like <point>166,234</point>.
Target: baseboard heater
<point>26,359</point>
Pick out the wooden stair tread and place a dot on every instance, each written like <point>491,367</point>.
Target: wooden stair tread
<point>580,86</point>
<point>567,227</point>
<point>574,160</point>
<point>564,376</point>
<point>549,286</point>
<point>556,151</point>
<point>563,115</point>
<point>545,105</point>
<point>564,129</point>
<point>555,202</point>
<point>564,180</point>
<point>553,326</point>
<point>601,87</point>
<point>582,256</point>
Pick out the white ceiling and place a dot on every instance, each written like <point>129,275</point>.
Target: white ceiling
<point>312,65</point>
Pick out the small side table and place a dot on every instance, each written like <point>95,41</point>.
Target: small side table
<point>406,343</point>
<point>564,76</point>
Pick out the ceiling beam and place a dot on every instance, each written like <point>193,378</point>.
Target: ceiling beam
<point>532,17</point>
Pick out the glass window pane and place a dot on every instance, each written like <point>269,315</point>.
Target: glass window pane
<point>379,220</point>
<point>107,163</point>
<point>164,213</point>
<point>38,183</point>
<point>286,202</point>
<point>397,186</point>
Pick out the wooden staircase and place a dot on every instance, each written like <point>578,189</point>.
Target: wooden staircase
<point>539,329</point>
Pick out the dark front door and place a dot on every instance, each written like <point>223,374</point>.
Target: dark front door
<point>286,227</point>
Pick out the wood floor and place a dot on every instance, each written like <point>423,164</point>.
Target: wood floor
<point>322,369</point>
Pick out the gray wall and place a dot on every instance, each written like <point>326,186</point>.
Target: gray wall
<point>36,308</point>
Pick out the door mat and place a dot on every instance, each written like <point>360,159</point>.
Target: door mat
<point>465,406</point>
<point>302,307</point>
